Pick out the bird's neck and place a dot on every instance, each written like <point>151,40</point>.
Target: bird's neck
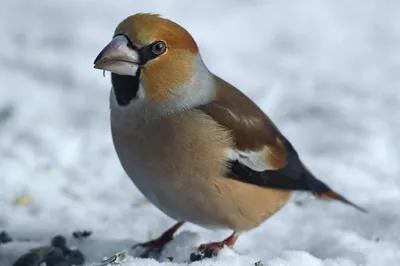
<point>125,88</point>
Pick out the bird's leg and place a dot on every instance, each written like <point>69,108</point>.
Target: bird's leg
<point>212,249</point>
<point>158,244</point>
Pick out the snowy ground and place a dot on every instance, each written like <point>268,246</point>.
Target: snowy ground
<point>327,72</point>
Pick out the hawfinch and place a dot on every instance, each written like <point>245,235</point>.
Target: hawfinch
<point>197,147</point>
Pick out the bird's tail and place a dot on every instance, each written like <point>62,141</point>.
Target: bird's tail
<point>322,191</point>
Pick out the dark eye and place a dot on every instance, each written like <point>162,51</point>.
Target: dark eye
<point>159,48</point>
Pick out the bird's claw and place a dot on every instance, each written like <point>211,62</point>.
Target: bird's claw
<point>152,247</point>
<point>212,248</point>
<point>157,245</point>
<point>207,251</point>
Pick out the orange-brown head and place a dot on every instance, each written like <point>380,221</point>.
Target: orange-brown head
<point>162,55</point>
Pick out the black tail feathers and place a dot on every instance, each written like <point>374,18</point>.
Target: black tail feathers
<point>322,191</point>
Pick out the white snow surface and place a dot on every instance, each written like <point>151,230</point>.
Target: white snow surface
<point>326,72</point>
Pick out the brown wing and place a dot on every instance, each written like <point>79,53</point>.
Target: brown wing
<point>256,136</point>
<point>254,133</point>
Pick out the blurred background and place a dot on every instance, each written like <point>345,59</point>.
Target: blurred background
<point>326,72</point>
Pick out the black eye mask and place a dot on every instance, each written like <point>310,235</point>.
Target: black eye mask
<point>151,51</point>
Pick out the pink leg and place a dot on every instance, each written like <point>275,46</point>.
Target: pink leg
<point>158,244</point>
<point>214,248</point>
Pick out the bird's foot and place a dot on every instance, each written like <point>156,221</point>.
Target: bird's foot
<point>152,247</point>
<point>212,249</point>
<point>156,246</point>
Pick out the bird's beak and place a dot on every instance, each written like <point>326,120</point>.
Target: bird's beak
<point>118,57</point>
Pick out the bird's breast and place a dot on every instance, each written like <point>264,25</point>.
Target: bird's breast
<point>167,158</point>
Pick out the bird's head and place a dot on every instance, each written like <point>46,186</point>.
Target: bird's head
<point>154,60</point>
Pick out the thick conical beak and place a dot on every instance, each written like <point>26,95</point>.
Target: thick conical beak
<point>118,57</point>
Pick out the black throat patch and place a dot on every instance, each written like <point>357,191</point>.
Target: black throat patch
<point>125,87</point>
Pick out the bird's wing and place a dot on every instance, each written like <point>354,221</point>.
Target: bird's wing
<point>258,143</point>
<point>261,155</point>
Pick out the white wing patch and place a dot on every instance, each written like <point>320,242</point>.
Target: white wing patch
<point>256,160</point>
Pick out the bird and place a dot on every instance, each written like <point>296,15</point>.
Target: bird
<point>197,147</point>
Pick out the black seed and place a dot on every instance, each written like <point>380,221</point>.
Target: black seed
<point>76,257</point>
<point>59,241</point>
<point>208,253</point>
<point>195,257</point>
<point>81,234</point>
<point>54,256</point>
<point>4,237</point>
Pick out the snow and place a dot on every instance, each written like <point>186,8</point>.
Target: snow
<point>327,72</point>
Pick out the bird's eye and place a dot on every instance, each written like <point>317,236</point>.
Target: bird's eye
<point>159,48</point>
